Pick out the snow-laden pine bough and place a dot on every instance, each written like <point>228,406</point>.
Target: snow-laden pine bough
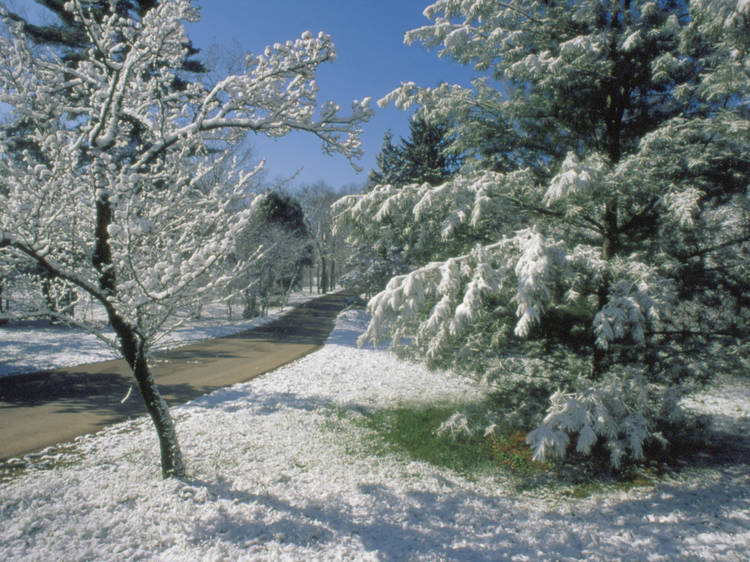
<point>596,246</point>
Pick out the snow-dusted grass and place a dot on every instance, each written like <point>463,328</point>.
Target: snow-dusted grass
<point>275,474</point>
<point>38,346</point>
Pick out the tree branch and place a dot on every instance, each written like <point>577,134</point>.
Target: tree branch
<point>9,240</point>
<point>705,251</point>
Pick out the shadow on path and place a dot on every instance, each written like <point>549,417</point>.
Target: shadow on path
<point>41,409</point>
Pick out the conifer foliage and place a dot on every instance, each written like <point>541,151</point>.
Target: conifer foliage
<point>116,197</point>
<point>425,157</point>
<point>422,157</point>
<point>278,239</point>
<point>596,245</point>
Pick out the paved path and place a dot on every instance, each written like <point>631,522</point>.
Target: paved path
<point>38,410</point>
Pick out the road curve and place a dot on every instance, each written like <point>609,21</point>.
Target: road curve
<point>42,409</point>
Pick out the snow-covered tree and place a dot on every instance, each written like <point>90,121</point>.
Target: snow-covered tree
<point>598,240</point>
<point>277,235</point>
<point>331,250</point>
<point>113,200</point>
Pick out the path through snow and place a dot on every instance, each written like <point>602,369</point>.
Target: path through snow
<point>275,475</point>
<point>39,346</point>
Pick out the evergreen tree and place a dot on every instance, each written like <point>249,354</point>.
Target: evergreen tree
<point>284,210</point>
<point>390,163</point>
<point>422,157</point>
<point>599,241</point>
<point>277,236</point>
<point>425,157</point>
<point>282,214</point>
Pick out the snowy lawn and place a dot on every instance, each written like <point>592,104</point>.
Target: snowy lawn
<point>275,473</point>
<point>38,346</point>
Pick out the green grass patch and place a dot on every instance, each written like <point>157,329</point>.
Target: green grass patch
<point>412,429</point>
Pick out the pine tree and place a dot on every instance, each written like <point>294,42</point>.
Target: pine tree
<point>276,235</point>
<point>598,239</point>
<point>422,157</point>
<point>425,157</point>
<point>283,212</point>
<point>389,162</point>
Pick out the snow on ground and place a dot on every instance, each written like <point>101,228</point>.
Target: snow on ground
<point>39,346</point>
<point>275,474</point>
<point>728,405</point>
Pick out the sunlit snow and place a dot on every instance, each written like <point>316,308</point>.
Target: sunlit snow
<point>274,473</point>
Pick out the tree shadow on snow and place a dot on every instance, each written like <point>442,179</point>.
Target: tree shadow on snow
<point>465,525</point>
<point>462,522</point>
<point>110,394</point>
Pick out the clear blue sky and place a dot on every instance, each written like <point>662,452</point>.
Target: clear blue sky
<point>372,61</point>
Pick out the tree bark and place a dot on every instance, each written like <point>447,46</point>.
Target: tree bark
<point>171,455</point>
<point>3,307</point>
<point>323,285</point>
<point>133,347</point>
<point>251,304</point>
<point>333,272</point>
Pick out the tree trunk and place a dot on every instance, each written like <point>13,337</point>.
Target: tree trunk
<point>46,284</point>
<point>609,249</point>
<point>3,308</point>
<point>323,275</point>
<point>171,455</point>
<point>332,275</point>
<point>298,274</point>
<point>251,304</point>
<point>133,349</point>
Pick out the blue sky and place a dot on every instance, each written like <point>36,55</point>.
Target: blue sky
<point>372,61</point>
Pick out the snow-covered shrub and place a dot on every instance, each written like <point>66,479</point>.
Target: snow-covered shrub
<point>457,426</point>
<point>623,412</point>
<point>520,387</point>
